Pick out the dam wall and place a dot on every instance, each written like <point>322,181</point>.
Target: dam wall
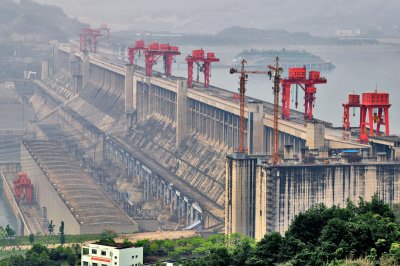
<point>285,191</point>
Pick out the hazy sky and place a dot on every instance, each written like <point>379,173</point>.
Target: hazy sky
<point>207,16</point>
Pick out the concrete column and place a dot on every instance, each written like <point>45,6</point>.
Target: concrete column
<point>54,64</point>
<point>315,135</point>
<point>74,70</point>
<point>255,130</point>
<point>181,109</point>
<point>128,88</point>
<point>148,99</point>
<point>45,70</point>
<point>85,69</point>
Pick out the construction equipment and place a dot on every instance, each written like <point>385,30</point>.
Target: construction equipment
<point>275,72</point>
<point>168,52</point>
<point>104,30</point>
<point>23,188</point>
<point>88,39</point>
<point>198,57</point>
<point>354,101</point>
<point>139,47</point>
<point>298,77</point>
<point>242,91</point>
<point>152,53</point>
<point>374,104</point>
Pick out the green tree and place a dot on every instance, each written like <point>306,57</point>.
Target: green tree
<point>267,251</point>
<point>31,238</point>
<point>242,251</point>
<point>16,260</point>
<point>50,227</point>
<point>61,233</point>
<point>9,231</point>
<point>71,259</point>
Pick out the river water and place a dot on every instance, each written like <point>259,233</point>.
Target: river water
<point>6,215</point>
<point>359,68</point>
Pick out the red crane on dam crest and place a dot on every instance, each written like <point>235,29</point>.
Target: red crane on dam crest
<point>197,57</point>
<point>374,106</point>
<point>298,77</point>
<point>89,39</point>
<point>152,53</point>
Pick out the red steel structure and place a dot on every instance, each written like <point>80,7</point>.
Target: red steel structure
<point>23,188</point>
<point>168,52</point>
<point>298,76</point>
<point>354,101</point>
<point>88,40</point>
<point>139,47</point>
<point>104,30</point>
<point>152,53</point>
<point>197,57</point>
<point>376,105</point>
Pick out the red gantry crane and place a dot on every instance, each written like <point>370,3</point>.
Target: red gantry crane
<point>88,40</point>
<point>197,57</point>
<point>242,91</point>
<point>152,53</point>
<point>298,77</point>
<point>375,106</point>
<point>354,101</point>
<point>104,30</point>
<point>139,47</point>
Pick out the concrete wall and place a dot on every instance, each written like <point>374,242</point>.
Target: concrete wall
<point>47,196</point>
<point>240,194</point>
<point>283,192</point>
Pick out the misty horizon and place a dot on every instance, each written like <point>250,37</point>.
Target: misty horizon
<point>321,18</point>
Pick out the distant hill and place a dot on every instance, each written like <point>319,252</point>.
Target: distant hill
<point>29,21</point>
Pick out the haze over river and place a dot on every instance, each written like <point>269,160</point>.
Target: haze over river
<point>359,68</point>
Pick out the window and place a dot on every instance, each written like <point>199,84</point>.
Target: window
<point>94,251</point>
<point>85,263</point>
<point>94,264</point>
<point>115,263</point>
<point>85,251</point>
<point>115,257</point>
<point>103,253</point>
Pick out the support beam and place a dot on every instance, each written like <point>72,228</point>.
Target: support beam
<point>181,109</point>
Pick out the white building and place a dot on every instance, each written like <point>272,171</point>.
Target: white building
<point>101,255</point>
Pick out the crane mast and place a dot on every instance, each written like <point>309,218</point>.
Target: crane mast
<point>275,72</point>
<point>242,92</point>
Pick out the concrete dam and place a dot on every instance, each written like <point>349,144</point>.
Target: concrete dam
<point>159,149</point>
